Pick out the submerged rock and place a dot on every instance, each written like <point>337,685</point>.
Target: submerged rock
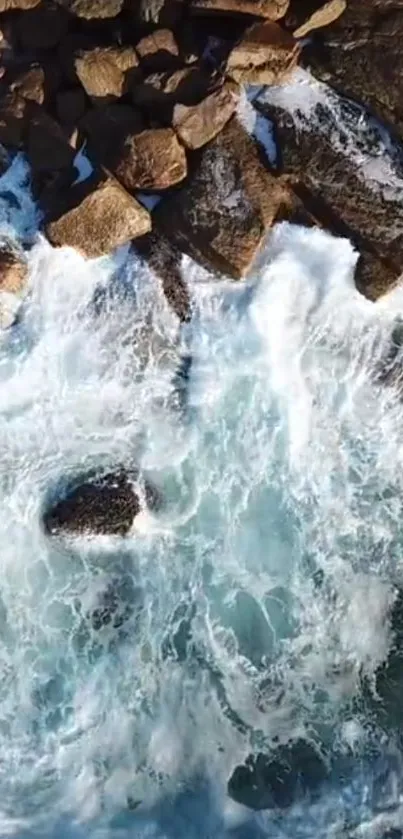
<point>100,505</point>
<point>278,778</point>
<point>115,604</point>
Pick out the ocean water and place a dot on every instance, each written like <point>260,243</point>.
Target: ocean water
<point>257,600</point>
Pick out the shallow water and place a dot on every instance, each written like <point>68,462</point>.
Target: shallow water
<point>260,593</point>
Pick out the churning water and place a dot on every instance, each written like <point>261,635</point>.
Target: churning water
<point>256,601</point>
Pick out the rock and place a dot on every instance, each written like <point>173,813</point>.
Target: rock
<point>42,27</point>
<point>93,9</point>
<point>100,217</point>
<point>4,164</point>
<point>30,85</point>
<point>12,120</point>
<point>347,204</point>
<point>47,148</point>
<point>164,259</point>
<point>70,106</point>
<point>116,604</point>
<point>271,9</point>
<point>278,778</point>
<point>152,160</point>
<point>158,52</point>
<point>229,203</point>
<point>360,56</point>
<point>198,124</point>
<point>104,72</point>
<point>106,129</point>
<point>162,12</point>
<point>8,5</point>
<point>265,55</point>
<point>13,268</point>
<point>303,17</point>
<point>107,504</point>
<point>158,93</point>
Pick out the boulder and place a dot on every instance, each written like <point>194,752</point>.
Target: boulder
<point>71,105</point>
<point>93,9</point>
<point>47,148</point>
<point>359,54</point>
<point>153,160</point>
<point>8,5</point>
<point>229,203</point>
<point>304,17</point>
<point>158,93</point>
<point>270,9</point>
<point>42,27</point>
<point>30,84</point>
<point>107,504</point>
<point>198,124</point>
<point>277,779</point>
<point>104,72</point>
<point>164,259</point>
<point>13,268</point>
<point>266,54</point>
<point>347,203</point>
<point>106,129</point>
<point>99,217</point>
<point>13,119</point>
<point>158,52</point>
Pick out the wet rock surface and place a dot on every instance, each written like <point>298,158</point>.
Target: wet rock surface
<point>104,505</point>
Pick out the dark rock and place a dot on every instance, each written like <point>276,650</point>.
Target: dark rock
<point>196,125</point>
<point>271,9</point>
<point>71,106</point>
<point>106,129</point>
<point>158,52</point>
<point>162,12</point>
<point>46,145</point>
<point>335,193</point>
<point>229,203</point>
<point>158,93</point>
<point>12,120</point>
<point>165,261</point>
<point>152,160</point>
<point>93,9</point>
<point>360,56</point>
<point>98,216</point>
<point>105,72</point>
<point>104,505</point>
<point>304,16</point>
<point>42,27</point>
<point>266,54</point>
<point>278,778</point>
<point>30,84</point>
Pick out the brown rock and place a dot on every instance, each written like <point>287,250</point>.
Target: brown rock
<point>42,27</point>
<point>102,217</point>
<point>164,260</point>
<point>93,9</point>
<point>360,55</point>
<point>13,268</point>
<point>197,125</point>
<point>106,129</point>
<point>347,204</point>
<point>266,54</point>
<point>152,160</point>
<point>270,9</point>
<point>304,17</point>
<point>70,106</point>
<point>223,213</point>
<point>30,85</point>
<point>158,52</point>
<point>7,5</point>
<point>104,71</point>
<point>46,145</point>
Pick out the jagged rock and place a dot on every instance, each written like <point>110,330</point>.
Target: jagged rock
<point>164,260</point>
<point>304,17</point>
<point>13,268</point>
<point>107,504</point>
<point>106,129</point>
<point>93,9</point>
<point>198,124</point>
<point>158,52</point>
<point>229,203</point>
<point>152,160</point>
<point>345,202</point>
<point>278,778</point>
<point>99,217</point>
<point>271,9</point>
<point>70,106</point>
<point>158,93</point>
<point>41,27</point>
<point>266,54</point>
<point>360,55</point>
<point>8,5</point>
<point>104,72</point>
<point>30,84</point>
